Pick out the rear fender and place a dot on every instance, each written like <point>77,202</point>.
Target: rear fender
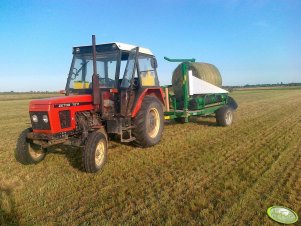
<point>157,92</point>
<point>232,103</point>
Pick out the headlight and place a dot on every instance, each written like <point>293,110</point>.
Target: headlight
<point>45,118</point>
<point>34,118</point>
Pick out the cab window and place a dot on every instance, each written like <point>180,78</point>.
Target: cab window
<point>148,74</point>
<point>82,71</point>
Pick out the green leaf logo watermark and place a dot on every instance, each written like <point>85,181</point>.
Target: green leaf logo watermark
<point>282,214</point>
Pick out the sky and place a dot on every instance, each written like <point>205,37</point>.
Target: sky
<point>250,41</point>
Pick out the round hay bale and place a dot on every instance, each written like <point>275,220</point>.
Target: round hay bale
<point>204,71</point>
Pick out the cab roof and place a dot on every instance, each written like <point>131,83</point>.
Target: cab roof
<point>129,47</point>
<point>112,45</point>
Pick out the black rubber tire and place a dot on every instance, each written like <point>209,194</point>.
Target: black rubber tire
<point>24,152</point>
<point>142,119</point>
<point>224,116</point>
<point>90,151</point>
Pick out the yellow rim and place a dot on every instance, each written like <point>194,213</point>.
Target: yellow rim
<point>100,153</point>
<point>153,124</point>
<point>35,150</point>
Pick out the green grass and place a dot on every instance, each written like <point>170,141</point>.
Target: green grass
<point>198,174</point>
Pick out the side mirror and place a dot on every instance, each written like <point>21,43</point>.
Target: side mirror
<point>154,63</point>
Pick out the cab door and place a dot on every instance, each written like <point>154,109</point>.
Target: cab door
<point>127,93</point>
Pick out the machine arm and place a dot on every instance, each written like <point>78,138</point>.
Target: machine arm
<point>179,60</point>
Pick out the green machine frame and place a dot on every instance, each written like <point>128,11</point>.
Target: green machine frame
<point>203,106</point>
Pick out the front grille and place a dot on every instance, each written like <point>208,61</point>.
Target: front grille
<point>65,119</point>
<point>40,124</point>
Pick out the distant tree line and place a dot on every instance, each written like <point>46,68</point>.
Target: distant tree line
<point>17,92</point>
<point>273,85</point>
<point>265,85</point>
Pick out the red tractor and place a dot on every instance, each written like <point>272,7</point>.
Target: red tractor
<point>124,99</point>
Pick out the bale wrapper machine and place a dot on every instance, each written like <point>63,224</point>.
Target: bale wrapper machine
<point>197,97</point>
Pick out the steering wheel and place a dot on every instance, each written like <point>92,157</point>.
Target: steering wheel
<point>135,83</point>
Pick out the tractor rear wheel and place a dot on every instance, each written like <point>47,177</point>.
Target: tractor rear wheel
<point>95,151</point>
<point>224,116</point>
<point>28,152</point>
<point>148,123</point>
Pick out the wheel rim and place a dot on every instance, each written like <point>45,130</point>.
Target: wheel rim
<point>153,124</point>
<point>99,153</point>
<point>35,150</point>
<point>228,117</point>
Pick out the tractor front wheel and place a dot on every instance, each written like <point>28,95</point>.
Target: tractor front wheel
<point>148,123</point>
<point>95,152</point>
<point>224,116</point>
<point>28,152</point>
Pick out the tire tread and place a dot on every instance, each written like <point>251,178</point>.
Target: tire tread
<point>88,156</point>
<point>21,152</point>
<point>221,114</point>
<point>139,132</point>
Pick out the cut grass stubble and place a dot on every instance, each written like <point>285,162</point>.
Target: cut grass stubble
<point>198,174</point>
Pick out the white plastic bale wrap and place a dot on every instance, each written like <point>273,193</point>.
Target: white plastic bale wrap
<point>204,71</point>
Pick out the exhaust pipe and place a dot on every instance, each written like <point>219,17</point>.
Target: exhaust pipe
<point>95,78</point>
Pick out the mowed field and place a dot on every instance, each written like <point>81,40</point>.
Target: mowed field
<point>199,174</point>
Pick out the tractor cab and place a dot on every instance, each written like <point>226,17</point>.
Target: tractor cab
<point>119,66</point>
<point>124,71</point>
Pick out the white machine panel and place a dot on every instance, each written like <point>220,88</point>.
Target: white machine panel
<point>199,86</point>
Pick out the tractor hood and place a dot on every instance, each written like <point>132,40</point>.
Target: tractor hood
<point>58,114</point>
<point>60,102</point>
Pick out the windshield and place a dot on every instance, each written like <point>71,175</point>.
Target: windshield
<point>80,77</point>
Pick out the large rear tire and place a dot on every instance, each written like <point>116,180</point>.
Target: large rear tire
<point>95,152</point>
<point>28,152</point>
<point>224,116</point>
<point>148,123</point>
